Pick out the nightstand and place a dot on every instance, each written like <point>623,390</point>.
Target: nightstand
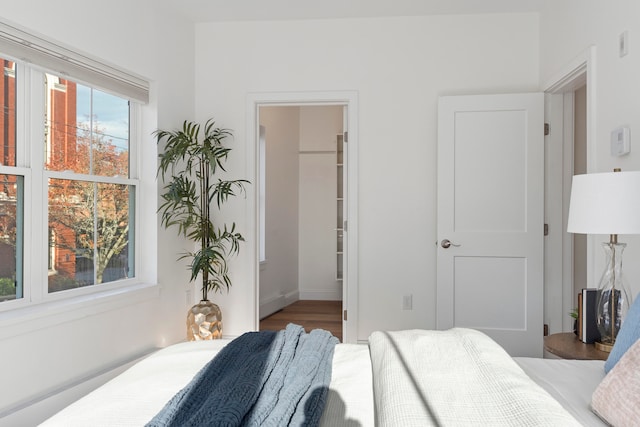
<point>566,345</point>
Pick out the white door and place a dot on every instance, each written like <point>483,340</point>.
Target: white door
<point>490,209</point>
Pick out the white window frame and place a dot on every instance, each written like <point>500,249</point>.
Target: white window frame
<point>63,306</point>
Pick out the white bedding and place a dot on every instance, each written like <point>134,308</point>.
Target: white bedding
<point>134,397</point>
<point>457,377</point>
<point>350,401</point>
<point>137,395</point>
<point>570,382</point>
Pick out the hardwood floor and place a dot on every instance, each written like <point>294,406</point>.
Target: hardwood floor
<point>308,314</point>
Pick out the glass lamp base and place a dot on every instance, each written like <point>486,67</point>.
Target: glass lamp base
<point>613,300</point>
<point>603,346</point>
<point>204,322</point>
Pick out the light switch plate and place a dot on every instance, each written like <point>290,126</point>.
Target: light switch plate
<point>620,141</point>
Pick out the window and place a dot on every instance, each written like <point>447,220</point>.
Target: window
<point>71,148</point>
<point>11,191</point>
<point>87,158</point>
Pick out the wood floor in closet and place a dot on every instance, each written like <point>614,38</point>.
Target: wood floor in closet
<point>308,314</point>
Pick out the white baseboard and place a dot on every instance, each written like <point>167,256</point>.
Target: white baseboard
<point>292,297</point>
<point>321,295</point>
<point>271,305</point>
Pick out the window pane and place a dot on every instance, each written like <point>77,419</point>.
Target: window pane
<point>71,231</point>
<point>113,242</point>
<point>11,238</point>
<point>87,130</point>
<point>8,117</point>
<point>110,124</point>
<point>90,233</point>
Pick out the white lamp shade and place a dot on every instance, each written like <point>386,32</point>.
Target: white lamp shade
<point>605,203</point>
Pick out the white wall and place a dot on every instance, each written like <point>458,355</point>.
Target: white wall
<point>279,274</point>
<point>569,28</point>
<point>398,66</point>
<point>45,354</point>
<point>319,127</point>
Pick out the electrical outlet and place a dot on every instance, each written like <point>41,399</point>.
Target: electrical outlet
<point>407,302</point>
<point>189,298</point>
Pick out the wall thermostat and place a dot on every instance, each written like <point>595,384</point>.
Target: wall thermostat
<point>620,141</point>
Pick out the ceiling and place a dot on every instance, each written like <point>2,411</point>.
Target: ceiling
<point>253,10</point>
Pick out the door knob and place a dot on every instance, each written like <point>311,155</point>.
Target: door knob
<point>446,243</point>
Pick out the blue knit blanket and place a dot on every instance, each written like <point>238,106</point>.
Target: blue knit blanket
<point>259,379</point>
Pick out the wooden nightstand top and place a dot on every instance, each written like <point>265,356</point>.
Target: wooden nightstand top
<point>567,346</point>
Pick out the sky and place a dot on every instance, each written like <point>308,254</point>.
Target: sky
<point>110,112</point>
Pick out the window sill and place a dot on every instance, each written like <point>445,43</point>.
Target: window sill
<point>27,319</point>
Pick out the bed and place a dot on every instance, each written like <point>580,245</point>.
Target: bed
<point>402,378</point>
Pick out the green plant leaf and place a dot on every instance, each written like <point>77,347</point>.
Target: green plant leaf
<point>188,163</point>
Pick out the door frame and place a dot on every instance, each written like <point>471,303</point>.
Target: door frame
<point>349,99</point>
<point>582,70</point>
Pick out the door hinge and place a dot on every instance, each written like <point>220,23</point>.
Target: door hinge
<point>546,229</point>
<point>344,225</point>
<point>344,315</point>
<point>345,137</point>
<point>546,129</point>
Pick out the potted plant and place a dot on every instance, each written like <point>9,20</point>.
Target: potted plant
<point>188,166</point>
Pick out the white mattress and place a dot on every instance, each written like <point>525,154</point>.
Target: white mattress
<point>134,397</point>
<point>570,382</point>
<point>138,394</point>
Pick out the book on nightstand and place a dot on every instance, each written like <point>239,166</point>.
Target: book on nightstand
<point>588,326</point>
<point>579,319</point>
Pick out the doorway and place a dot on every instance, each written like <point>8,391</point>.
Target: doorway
<point>301,211</point>
<point>299,174</point>
<point>569,114</point>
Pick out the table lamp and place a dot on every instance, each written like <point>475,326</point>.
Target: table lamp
<point>607,203</point>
